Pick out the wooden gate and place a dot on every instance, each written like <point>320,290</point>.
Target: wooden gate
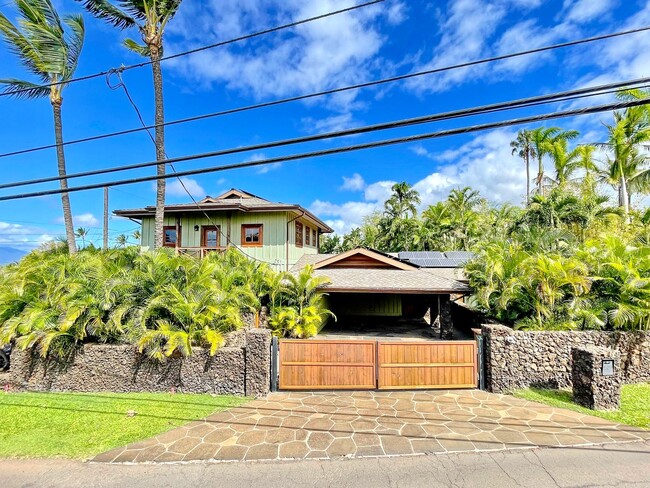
<point>367,365</point>
<point>413,365</point>
<point>327,365</point>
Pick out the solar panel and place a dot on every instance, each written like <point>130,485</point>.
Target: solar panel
<point>410,255</point>
<point>459,254</point>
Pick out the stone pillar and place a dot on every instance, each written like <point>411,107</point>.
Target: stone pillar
<point>596,377</point>
<point>446,323</point>
<point>258,362</point>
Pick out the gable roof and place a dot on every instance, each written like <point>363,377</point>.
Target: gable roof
<point>378,272</point>
<point>233,200</point>
<point>369,258</point>
<point>388,281</point>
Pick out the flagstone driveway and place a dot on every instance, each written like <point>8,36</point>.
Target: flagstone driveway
<point>335,424</point>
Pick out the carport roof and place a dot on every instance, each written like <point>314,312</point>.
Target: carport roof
<point>360,279</point>
<point>398,281</point>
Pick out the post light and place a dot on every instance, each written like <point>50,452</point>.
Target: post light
<point>196,227</point>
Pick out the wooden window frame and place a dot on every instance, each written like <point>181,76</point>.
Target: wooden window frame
<point>300,243</point>
<point>178,235</point>
<point>307,235</point>
<point>204,242</point>
<point>243,235</point>
<point>314,238</point>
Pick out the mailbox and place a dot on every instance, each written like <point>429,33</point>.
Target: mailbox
<point>607,367</point>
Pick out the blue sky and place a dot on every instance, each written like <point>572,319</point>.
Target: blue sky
<point>388,39</point>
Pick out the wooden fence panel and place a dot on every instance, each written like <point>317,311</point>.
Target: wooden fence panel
<point>414,365</point>
<point>327,365</point>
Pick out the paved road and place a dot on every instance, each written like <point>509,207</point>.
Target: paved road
<point>615,465</point>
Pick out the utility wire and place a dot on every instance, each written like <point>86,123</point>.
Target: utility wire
<point>339,150</point>
<point>122,85</point>
<point>481,110</point>
<point>203,48</point>
<point>318,94</point>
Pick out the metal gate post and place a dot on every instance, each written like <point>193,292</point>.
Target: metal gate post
<point>274,363</point>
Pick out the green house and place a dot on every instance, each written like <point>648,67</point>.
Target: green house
<point>276,233</point>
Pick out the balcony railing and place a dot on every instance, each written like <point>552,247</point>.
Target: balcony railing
<point>199,252</point>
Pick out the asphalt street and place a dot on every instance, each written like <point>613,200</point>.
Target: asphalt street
<point>615,465</point>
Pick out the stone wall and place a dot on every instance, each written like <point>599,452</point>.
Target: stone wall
<point>241,367</point>
<point>520,359</point>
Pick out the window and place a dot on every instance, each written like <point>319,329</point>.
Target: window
<point>251,235</point>
<point>211,236</point>
<point>299,240</point>
<point>170,238</point>
<point>314,238</point>
<point>307,236</point>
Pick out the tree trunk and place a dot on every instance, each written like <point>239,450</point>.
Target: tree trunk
<point>63,182</point>
<point>540,177</point>
<point>105,241</point>
<point>527,178</point>
<point>625,201</point>
<point>160,146</point>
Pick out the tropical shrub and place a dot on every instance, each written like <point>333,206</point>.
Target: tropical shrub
<point>52,302</point>
<point>299,308</point>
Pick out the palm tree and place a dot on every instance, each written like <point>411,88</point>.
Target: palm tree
<point>81,233</point>
<point>121,240</point>
<point>543,139</point>
<point>404,200</point>
<point>523,147</point>
<point>151,18</point>
<point>565,162</point>
<point>49,47</point>
<point>626,168</point>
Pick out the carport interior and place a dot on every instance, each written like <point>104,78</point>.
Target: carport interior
<point>408,317</point>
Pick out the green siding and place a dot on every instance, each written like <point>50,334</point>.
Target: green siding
<point>366,304</point>
<point>273,250</point>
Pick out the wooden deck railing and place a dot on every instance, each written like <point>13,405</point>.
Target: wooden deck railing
<point>199,252</point>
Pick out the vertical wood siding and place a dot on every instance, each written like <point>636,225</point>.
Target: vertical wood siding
<point>448,364</point>
<point>327,365</point>
<point>273,250</point>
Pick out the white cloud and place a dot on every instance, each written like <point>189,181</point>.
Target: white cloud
<point>350,214</point>
<point>485,163</point>
<point>330,52</point>
<point>329,124</point>
<point>586,10</point>
<point>379,191</point>
<point>353,183</point>
<point>84,220</point>
<point>23,237</point>
<point>174,188</point>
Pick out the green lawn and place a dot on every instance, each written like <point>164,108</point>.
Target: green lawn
<point>79,425</point>
<point>635,403</point>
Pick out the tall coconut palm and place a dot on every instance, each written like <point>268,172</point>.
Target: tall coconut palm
<point>151,18</point>
<point>49,47</point>
<point>523,147</point>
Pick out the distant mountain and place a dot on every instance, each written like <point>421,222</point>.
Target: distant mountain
<point>9,255</point>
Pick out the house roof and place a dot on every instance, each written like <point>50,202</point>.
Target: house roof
<point>386,274</point>
<point>377,258</point>
<point>232,200</point>
<point>354,280</point>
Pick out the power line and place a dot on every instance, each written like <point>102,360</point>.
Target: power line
<point>203,48</point>
<point>339,150</point>
<point>321,93</point>
<point>122,85</point>
<point>481,110</point>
